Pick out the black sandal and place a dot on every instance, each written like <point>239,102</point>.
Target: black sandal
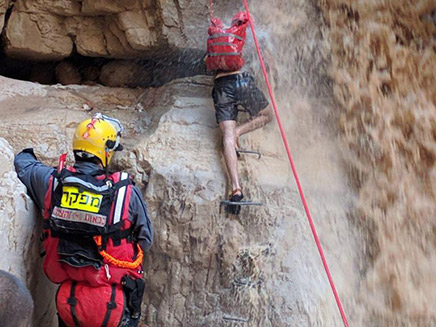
<point>231,208</point>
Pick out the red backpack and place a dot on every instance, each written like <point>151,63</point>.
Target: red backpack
<point>87,233</point>
<point>224,45</point>
<point>79,304</point>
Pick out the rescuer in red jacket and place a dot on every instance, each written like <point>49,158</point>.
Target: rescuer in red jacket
<point>233,88</point>
<point>95,229</point>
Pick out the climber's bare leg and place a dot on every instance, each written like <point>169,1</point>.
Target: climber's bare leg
<point>228,127</point>
<point>258,121</point>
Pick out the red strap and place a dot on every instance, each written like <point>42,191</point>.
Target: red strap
<point>211,9</point>
<point>294,171</point>
<point>62,162</point>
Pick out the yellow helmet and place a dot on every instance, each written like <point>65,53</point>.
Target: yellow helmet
<point>97,137</point>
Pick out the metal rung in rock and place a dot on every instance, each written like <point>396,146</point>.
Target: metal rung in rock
<point>241,203</point>
<point>239,152</point>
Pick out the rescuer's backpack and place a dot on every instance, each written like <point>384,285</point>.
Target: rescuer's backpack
<point>80,304</point>
<point>224,45</point>
<point>88,236</point>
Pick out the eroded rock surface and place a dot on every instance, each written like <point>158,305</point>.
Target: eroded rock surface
<point>17,216</point>
<point>3,7</point>
<point>49,30</point>
<point>19,238</point>
<point>207,268</point>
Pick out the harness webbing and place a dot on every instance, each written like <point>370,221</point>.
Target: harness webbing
<point>219,54</point>
<point>110,306</point>
<point>294,171</point>
<point>72,301</point>
<point>120,199</point>
<point>215,36</point>
<point>216,44</point>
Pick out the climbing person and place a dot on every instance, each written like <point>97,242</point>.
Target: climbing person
<point>95,228</point>
<point>233,89</point>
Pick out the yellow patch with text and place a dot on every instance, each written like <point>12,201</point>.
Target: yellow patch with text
<point>85,201</point>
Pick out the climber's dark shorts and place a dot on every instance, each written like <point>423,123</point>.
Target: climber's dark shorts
<point>232,91</point>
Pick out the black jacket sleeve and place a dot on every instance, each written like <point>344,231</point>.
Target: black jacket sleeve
<point>142,226</point>
<point>34,175</point>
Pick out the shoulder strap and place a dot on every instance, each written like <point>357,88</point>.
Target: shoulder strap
<point>72,301</point>
<point>110,306</point>
<point>59,175</point>
<point>231,35</point>
<point>68,177</point>
<point>121,185</point>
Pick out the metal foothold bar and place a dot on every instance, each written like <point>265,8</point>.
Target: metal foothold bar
<point>241,203</point>
<point>249,152</point>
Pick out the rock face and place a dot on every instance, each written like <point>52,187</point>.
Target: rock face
<point>207,268</point>
<point>49,30</point>
<point>3,7</point>
<point>37,36</point>
<point>17,216</point>
<point>261,268</point>
<point>19,238</point>
<point>124,74</point>
<point>66,73</point>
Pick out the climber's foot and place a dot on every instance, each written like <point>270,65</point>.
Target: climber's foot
<point>235,196</point>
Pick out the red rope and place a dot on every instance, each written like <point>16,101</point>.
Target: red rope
<point>294,171</point>
<point>211,9</point>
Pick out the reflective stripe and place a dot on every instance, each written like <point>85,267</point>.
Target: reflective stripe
<point>215,36</point>
<point>216,54</point>
<point>115,122</point>
<point>77,181</point>
<point>55,183</point>
<point>120,199</point>
<point>76,216</point>
<point>222,43</point>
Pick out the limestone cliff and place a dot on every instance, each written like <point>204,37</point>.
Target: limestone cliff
<point>47,30</point>
<point>206,268</point>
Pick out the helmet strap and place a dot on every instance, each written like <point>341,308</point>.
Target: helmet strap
<point>108,146</point>
<point>106,169</point>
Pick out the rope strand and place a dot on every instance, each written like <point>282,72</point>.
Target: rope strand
<point>211,9</point>
<point>294,171</point>
<point>116,262</point>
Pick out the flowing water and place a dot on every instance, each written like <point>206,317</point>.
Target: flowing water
<point>383,65</point>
